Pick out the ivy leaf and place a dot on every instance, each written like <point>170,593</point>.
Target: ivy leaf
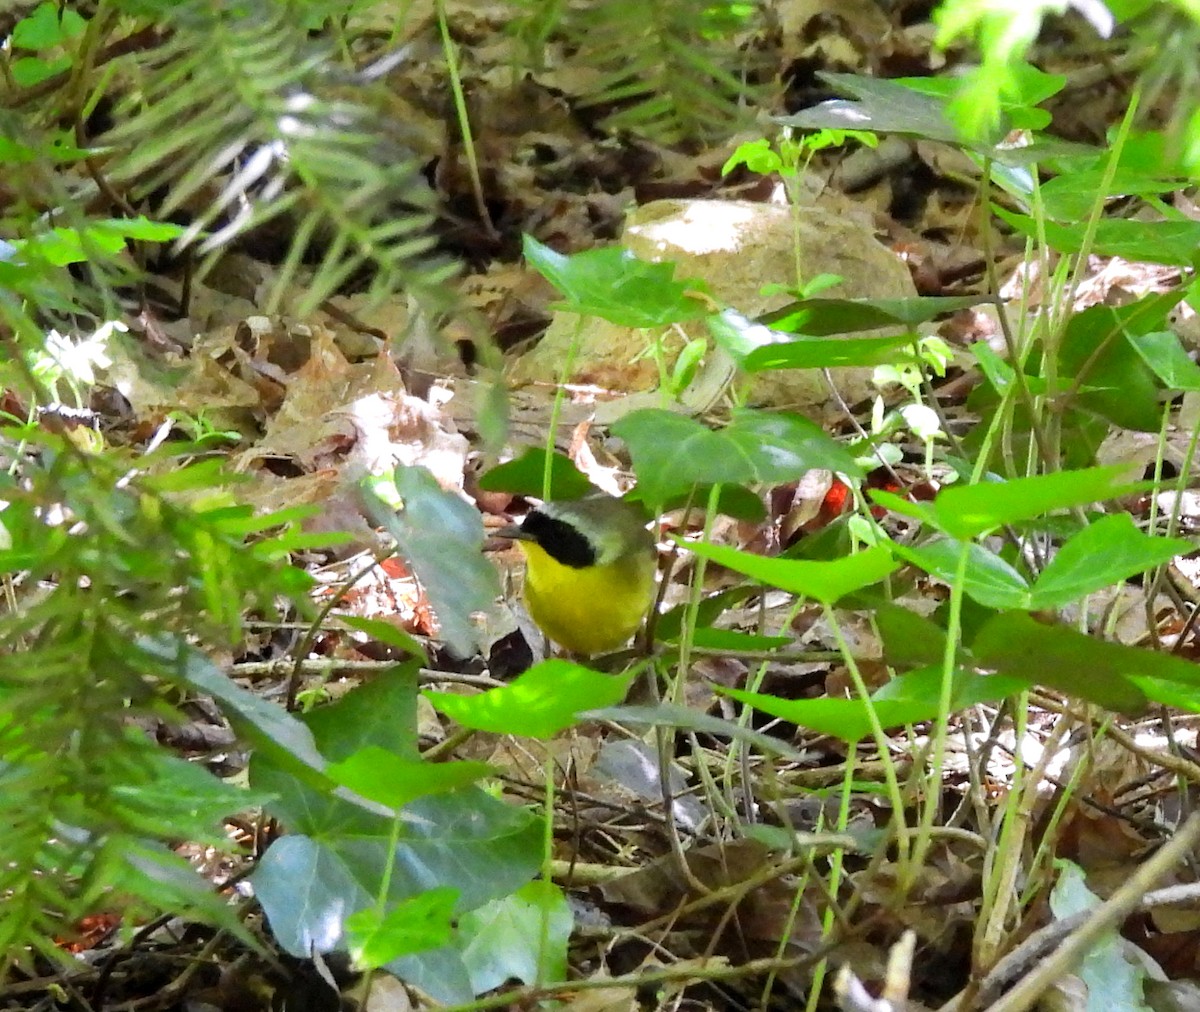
<point>614,284</point>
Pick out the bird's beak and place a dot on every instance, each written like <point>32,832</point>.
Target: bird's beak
<point>512,532</point>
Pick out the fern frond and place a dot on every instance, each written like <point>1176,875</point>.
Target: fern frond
<point>240,120</point>
<point>88,803</point>
<point>665,66</point>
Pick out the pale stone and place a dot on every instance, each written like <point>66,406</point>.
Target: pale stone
<point>737,248</point>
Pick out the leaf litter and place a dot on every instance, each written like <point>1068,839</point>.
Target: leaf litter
<point>317,405</point>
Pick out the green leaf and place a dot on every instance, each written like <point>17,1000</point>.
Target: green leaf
<point>1071,196</point>
<point>43,29</point>
<point>822,581</point>
<point>309,885</point>
<point>1113,978</point>
<point>828,317</point>
<point>905,507</point>
<point>1091,669</point>
<point>1171,694</point>
<point>164,796</point>
<point>1023,86</point>
<point>211,473</point>
<point>135,868</point>
<point>540,703</point>
<point>908,638</point>
<point>976,106</point>
<point>1103,553</point>
<point>1126,10</point>
<point>735,501</point>
<point>1156,242</point>
<point>757,156</point>
<point>1028,85</point>
<point>672,453</point>
<point>524,475</point>
<point>523,936</point>
<point>142,229</point>
<point>380,712</point>
<point>988,578</point>
<point>240,521</point>
<point>441,536</point>
<point>63,246</point>
<point>30,70</point>
<point>968,688</point>
<point>883,106</point>
<point>1163,353</point>
<point>783,446</point>
<point>846,719</point>
<point>99,241</point>
<point>691,357</point>
<point>380,775</point>
<point>829,353</point>
<point>421,922</point>
<point>1117,384</point>
<point>614,284</point>
<point>966,511</point>
<point>998,371</point>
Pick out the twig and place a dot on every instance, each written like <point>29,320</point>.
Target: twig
<point>332,665</point>
<point>852,995</point>
<point>1104,918</point>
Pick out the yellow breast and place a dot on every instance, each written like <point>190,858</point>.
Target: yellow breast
<point>589,609</point>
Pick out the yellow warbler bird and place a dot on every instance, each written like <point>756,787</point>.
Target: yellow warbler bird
<point>589,578</point>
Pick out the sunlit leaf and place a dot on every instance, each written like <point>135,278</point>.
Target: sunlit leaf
<point>425,921</point>
<point>540,703</point>
<point>966,511</point>
<point>847,719</point>
<point>988,578</point>
<point>382,776</point>
<point>614,284</point>
<point>822,581</point>
<point>1105,552</point>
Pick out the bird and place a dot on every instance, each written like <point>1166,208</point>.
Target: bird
<point>590,571</point>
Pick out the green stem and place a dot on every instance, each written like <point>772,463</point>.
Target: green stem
<point>547,867</point>
<point>933,790</point>
<point>836,860</point>
<point>560,395</point>
<point>460,111</point>
<point>879,737</point>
